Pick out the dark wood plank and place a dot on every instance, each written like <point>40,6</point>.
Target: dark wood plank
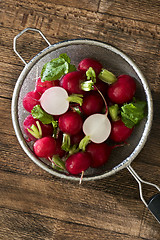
<point>77,202</point>
<point>112,30</point>
<point>149,228</point>
<point>22,225</point>
<point>49,4</point>
<point>52,21</point>
<point>140,10</point>
<point>133,9</point>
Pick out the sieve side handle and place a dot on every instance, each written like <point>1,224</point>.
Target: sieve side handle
<point>154,203</point>
<point>21,33</point>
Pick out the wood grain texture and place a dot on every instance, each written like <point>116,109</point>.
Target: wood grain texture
<point>36,205</point>
<point>74,201</point>
<point>32,226</point>
<point>145,10</point>
<point>142,36</point>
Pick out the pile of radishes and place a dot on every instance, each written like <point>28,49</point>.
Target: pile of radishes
<point>77,116</point>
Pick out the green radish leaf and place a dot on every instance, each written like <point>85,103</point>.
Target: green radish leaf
<point>133,113</point>
<point>38,113</point>
<point>72,68</point>
<point>128,123</point>
<point>56,68</point>
<point>65,57</point>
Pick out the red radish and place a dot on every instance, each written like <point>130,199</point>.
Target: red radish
<point>123,90</point>
<point>30,100</point>
<point>101,86</point>
<point>75,139</point>
<point>78,162</point>
<point>92,103</point>
<point>41,87</point>
<point>99,152</point>
<point>86,63</point>
<point>70,123</point>
<point>29,122</point>
<point>55,100</point>
<point>56,117</point>
<point>59,151</point>
<point>119,132</point>
<point>45,147</point>
<point>71,82</point>
<point>47,129</point>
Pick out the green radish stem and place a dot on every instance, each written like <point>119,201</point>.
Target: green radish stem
<point>76,98</point>
<point>91,80</point>
<point>107,76</point>
<point>66,142</point>
<point>73,149</point>
<point>87,85</point>
<point>114,112</point>
<point>35,131</point>
<point>55,128</point>
<point>83,143</point>
<point>57,163</point>
<point>105,103</point>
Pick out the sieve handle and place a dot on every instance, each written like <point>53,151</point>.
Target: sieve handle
<point>21,33</point>
<point>154,203</point>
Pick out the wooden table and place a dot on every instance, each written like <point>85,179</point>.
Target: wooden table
<point>36,205</point>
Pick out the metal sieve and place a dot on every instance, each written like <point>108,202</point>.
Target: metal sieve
<point>115,61</point>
